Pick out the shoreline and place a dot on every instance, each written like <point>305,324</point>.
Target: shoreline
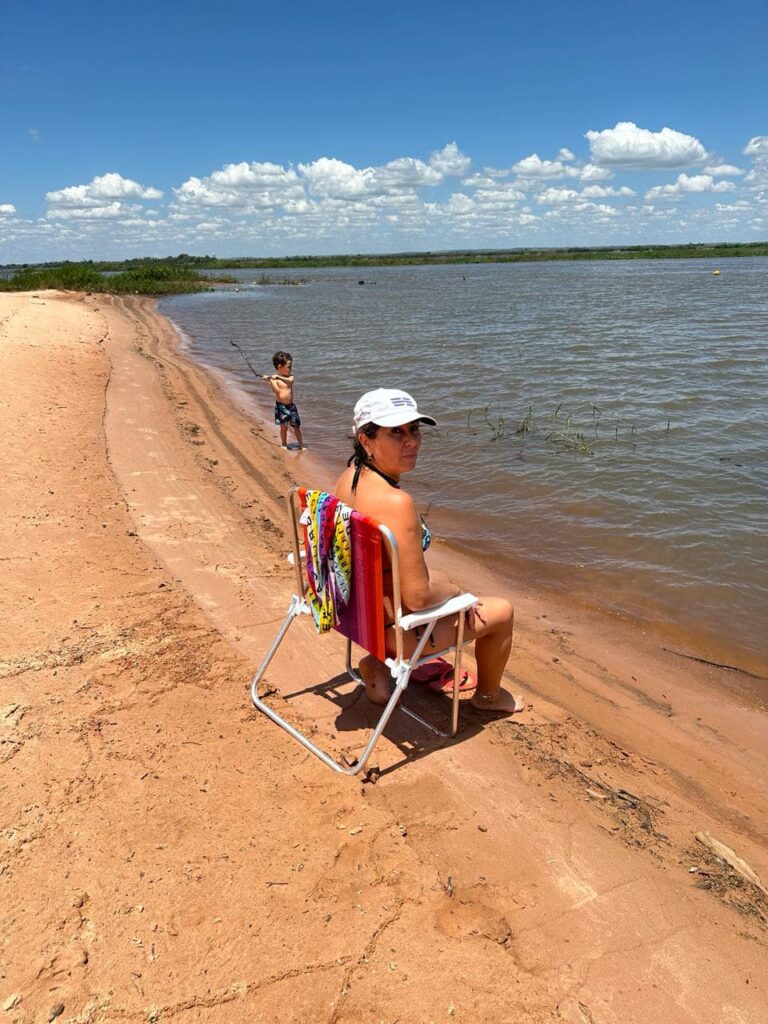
<point>161,840</point>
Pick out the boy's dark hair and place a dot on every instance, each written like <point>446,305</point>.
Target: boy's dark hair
<point>281,357</point>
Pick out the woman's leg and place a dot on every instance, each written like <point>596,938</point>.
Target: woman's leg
<point>493,642</point>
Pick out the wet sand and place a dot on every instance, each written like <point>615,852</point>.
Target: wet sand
<point>168,853</point>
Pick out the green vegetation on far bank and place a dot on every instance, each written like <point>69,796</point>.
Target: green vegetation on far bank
<point>145,278</point>
<point>173,274</point>
<point>629,252</point>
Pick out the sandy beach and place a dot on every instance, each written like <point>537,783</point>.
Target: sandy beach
<point>169,854</point>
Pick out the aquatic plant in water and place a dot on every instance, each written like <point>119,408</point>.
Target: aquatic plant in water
<point>568,428</point>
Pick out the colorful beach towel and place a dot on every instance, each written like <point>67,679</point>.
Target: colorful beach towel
<point>329,557</point>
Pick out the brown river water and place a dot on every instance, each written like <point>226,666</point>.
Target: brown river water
<point>602,426</point>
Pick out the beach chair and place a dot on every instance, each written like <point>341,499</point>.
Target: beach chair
<point>374,553</point>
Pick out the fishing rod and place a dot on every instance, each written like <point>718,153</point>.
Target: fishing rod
<point>251,367</point>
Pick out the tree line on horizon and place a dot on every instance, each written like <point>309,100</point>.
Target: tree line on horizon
<point>691,250</point>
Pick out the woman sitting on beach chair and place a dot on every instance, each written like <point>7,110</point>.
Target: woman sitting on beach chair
<point>387,441</point>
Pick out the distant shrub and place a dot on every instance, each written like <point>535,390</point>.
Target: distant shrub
<point>73,277</point>
<point>153,279</point>
<point>159,279</point>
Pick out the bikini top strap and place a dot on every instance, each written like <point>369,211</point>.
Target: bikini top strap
<point>390,481</point>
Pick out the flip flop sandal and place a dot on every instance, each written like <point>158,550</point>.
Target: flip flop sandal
<point>431,671</point>
<point>444,683</point>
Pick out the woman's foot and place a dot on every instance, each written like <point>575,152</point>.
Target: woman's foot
<point>377,679</point>
<point>503,702</point>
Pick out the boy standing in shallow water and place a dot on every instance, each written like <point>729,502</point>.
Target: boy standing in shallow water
<point>286,413</point>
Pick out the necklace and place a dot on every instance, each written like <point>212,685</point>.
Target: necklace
<point>392,482</point>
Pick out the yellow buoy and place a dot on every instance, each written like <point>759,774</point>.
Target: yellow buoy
<point>715,273</point>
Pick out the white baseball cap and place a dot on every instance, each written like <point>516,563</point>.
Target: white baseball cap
<point>388,407</point>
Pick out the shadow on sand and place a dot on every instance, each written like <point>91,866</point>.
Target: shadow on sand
<point>357,714</point>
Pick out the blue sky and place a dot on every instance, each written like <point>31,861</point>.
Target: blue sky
<point>267,129</point>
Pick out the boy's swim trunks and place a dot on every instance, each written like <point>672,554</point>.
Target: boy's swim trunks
<point>287,414</point>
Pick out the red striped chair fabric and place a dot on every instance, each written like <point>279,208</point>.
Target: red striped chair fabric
<point>362,621</point>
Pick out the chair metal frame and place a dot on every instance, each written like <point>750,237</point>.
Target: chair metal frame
<point>399,666</point>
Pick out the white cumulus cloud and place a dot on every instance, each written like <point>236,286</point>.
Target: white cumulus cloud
<point>459,203</point>
<point>626,145</point>
<point>557,195</point>
<point>450,161</point>
<point>321,196</point>
<point>600,210</point>
<point>405,173</point>
<point>534,167</point>
<point>254,175</point>
<point>591,172</point>
<point>757,146</point>
<point>500,196</point>
<point>98,192</point>
<point>738,207</point>
<point>336,179</point>
<point>6,209</point>
<point>600,191</point>
<point>722,170</point>
<point>109,211</point>
<point>330,177</point>
<point>692,183</point>
<point>248,187</point>
<point>486,178</point>
<point>757,177</point>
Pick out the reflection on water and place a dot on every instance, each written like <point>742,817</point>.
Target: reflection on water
<point>601,424</point>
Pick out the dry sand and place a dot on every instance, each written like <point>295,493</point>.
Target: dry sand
<point>169,854</point>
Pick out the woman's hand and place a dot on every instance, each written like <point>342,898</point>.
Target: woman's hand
<point>473,617</point>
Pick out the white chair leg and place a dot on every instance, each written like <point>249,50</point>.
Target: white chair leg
<point>457,675</point>
<point>296,607</point>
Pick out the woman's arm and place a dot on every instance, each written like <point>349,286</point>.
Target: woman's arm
<point>399,514</point>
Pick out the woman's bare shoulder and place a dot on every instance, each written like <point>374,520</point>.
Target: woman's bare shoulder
<point>376,499</point>
<point>343,486</point>
<point>396,506</point>
<point>400,500</point>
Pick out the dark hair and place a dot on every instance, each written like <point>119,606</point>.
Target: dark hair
<point>281,357</point>
<point>359,455</point>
